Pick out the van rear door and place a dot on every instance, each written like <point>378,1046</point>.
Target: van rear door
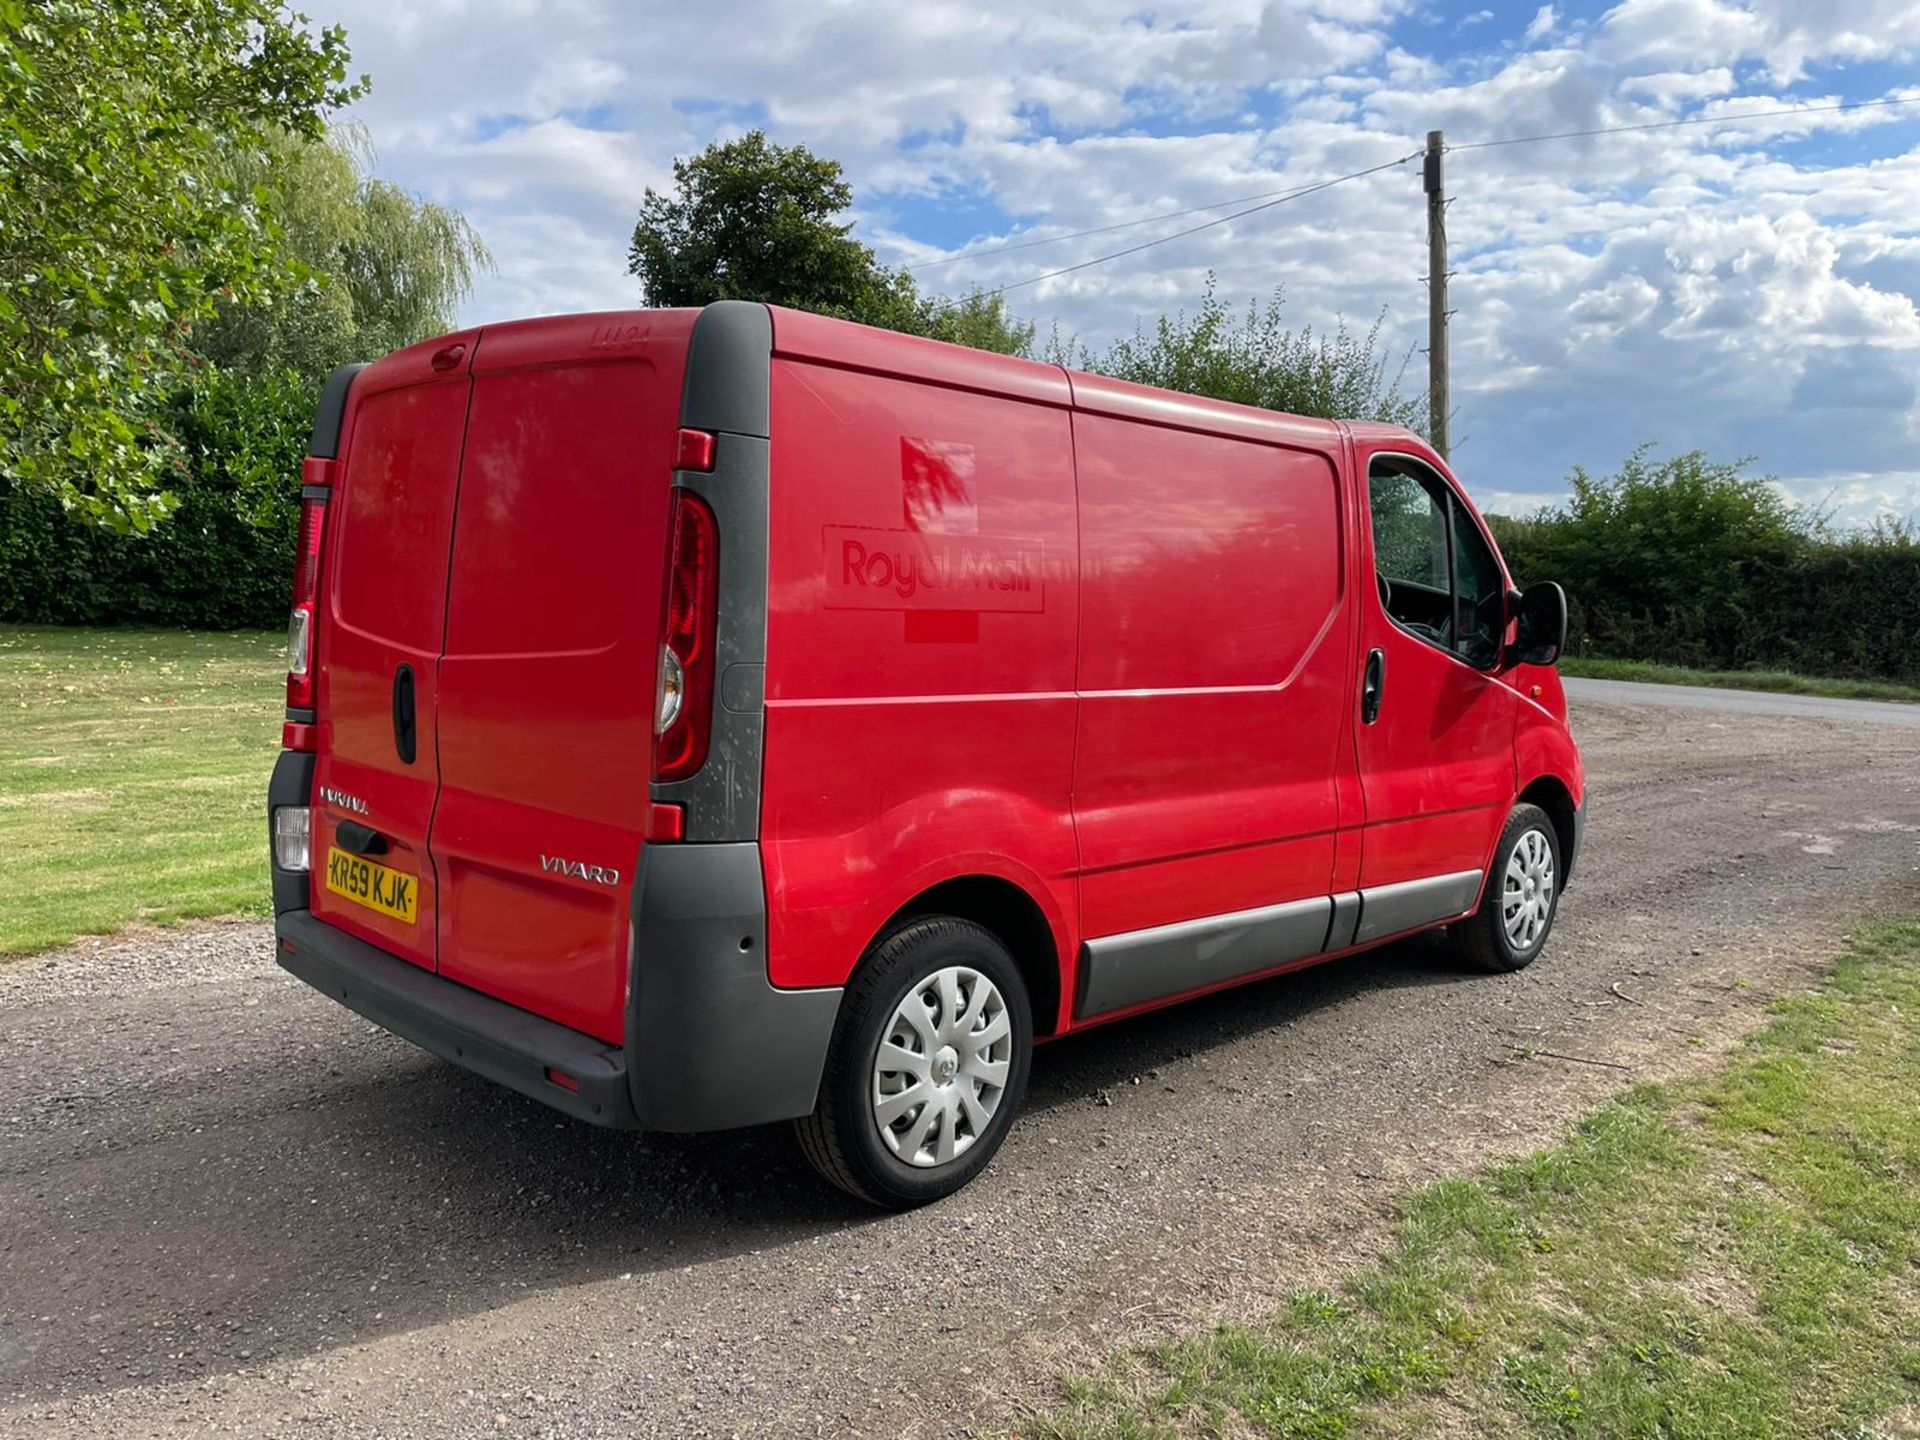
<point>378,646</point>
<point>548,682</point>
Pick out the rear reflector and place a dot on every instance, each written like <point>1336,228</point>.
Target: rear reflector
<point>695,451</point>
<point>667,822</point>
<point>562,1079</point>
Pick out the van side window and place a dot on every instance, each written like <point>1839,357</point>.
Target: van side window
<point>1438,576</point>
<point>1410,552</point>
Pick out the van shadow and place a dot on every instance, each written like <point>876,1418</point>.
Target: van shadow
<point>408,1192</point>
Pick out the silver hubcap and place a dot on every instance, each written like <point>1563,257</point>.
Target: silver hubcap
<point>1526,901</point>
<point>942,1066</point>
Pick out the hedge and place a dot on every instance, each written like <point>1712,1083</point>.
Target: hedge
<point>1846,607</point>
<point>224,559</point>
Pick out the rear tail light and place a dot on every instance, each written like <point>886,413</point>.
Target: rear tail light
<point>684,715</point>
<point>306,586</point>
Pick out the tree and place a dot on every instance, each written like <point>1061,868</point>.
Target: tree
<point>384,268</point>
<point>120,124</point>
<point>751,220</point>
<point>1257,361</point>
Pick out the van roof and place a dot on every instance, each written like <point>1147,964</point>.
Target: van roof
<point>848,345</point>
<point>851,346</point>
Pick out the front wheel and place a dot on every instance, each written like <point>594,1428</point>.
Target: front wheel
<point>928,1065</point>
<point>1510,928</point>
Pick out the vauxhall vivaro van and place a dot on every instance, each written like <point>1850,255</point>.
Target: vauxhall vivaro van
<point>699,718</point>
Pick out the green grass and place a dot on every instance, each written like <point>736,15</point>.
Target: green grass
<point>1732,1257</point>
<point>1783,681</point>
<point>133,778</point>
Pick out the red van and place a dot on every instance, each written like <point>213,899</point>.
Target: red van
<point>699,718</point>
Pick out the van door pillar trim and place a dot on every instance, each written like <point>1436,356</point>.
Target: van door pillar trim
<point>324,442</point>
<point>728,383</point>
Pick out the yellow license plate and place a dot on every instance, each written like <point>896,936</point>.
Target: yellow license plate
<point>390,892</point>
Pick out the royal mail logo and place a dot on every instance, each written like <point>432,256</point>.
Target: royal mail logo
<point>909,570</point>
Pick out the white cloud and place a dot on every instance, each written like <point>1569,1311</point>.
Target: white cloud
<point>1787,36</point>
<point>1712,285</point>
<point>1670,88</point>
<point>1857,497</point>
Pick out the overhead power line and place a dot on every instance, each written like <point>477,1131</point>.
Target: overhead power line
<point>985,251</point>
<point>1269,199</point>
<point>1305,190</point>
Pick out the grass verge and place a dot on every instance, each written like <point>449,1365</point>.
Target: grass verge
<point>133,774</point>
<point>1781,681</point>
<point>1737,1256</point>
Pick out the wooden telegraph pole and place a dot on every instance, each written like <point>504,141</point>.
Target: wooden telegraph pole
<point>1439,398</point>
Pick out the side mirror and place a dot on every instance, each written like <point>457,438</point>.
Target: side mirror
<point>1542,632</point>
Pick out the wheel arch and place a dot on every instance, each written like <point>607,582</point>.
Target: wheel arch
<point>1016,919</point>
<point>1553,795</point>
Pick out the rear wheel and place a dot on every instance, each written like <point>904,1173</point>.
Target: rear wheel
<point>1510,928</point>
<point>928,1065</point>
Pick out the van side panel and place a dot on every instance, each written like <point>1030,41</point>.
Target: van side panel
<point>1213,673</point>
<point>923,604</point>
<point>547,687</point>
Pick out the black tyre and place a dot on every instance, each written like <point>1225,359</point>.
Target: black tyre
<point>1510,928</point>
<point>928,1065</point>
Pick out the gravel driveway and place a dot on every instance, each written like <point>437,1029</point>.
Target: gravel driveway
<point>227,1206</point>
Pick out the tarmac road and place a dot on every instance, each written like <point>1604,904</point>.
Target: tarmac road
<point>229,1207</point>
<point>1742,702</point>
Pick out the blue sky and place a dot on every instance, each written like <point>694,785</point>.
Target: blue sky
<point>1744,288</point>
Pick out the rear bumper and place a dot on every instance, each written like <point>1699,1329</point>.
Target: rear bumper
<point>709,1044</point>
<point>487,1036</point>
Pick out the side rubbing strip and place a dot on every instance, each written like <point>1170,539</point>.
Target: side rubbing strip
<point>1390,909</point>
<point>1140,965</point>
<point>1346,916</point>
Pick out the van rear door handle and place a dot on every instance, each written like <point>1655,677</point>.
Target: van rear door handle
<point>1372,682</point>
<point>403,727</point>
<point>360,839</point>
